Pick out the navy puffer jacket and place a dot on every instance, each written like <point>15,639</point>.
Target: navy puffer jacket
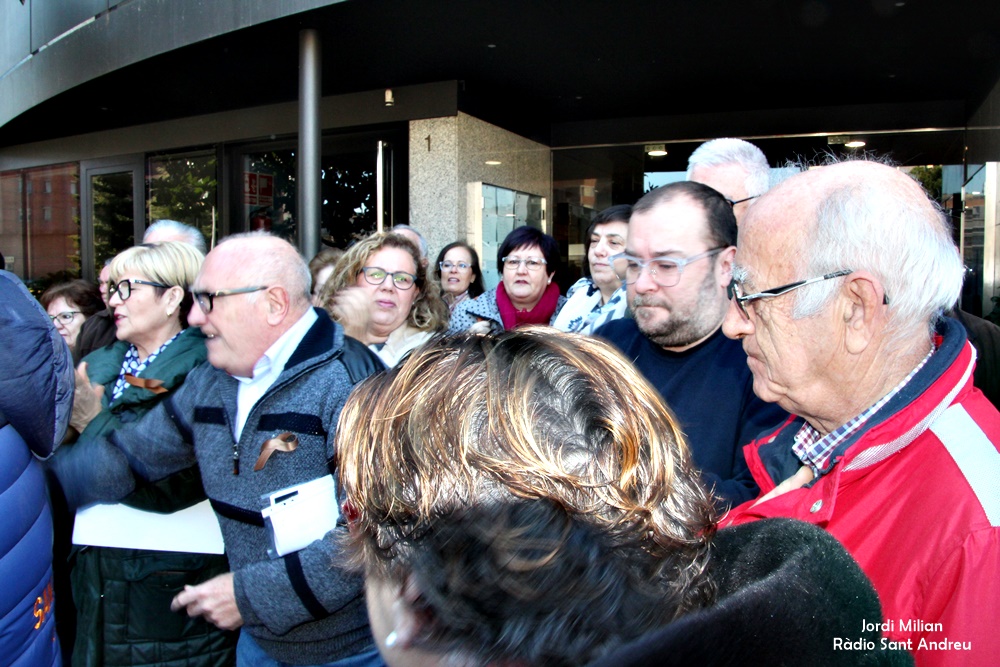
<point>36,397</point>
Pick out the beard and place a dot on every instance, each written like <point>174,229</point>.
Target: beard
<point>686,323</point>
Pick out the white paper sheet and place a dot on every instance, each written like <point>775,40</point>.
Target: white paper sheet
<point>300,515</point>
<point>191,530</point>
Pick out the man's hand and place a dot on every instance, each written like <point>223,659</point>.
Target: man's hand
<point>215,600</point>
<point>796,481</point>
<point>86,399</point>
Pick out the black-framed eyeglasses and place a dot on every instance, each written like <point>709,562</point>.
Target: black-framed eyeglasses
<point>206,300</point>
<point>733,203</point>
<point>736,290</point>
<point>124,287</point>
<point>665,271</point>
<point>448,266</point>
<point>400,279</point>
<point>65,317</point>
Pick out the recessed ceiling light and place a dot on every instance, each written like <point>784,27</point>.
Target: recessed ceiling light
<point>493,163</point>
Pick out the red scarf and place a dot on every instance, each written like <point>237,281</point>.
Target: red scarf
<point>540,314</point>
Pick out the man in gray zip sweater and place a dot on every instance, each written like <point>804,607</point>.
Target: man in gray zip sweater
<point>277,368</point>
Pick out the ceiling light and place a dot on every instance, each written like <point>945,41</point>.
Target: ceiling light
<point>844,140</point>
<point>655,150</point>
<point>493,163</point>
<point>389,99</point>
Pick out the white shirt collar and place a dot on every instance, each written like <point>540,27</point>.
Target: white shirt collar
<point>268,368</point>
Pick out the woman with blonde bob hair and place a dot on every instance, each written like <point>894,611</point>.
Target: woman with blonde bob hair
<point>123,593</point>
<point>528,499</point>
<point>378,293</point>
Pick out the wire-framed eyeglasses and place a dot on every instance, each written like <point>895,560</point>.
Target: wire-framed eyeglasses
<point>665,271</point>
<point>124,287</point>
<point>530,263</point>
<point>736,290</point>
<point>400,279</point>
<point>206,300</point>
<point>65,317</point>
<point>448,266</point>
<point>733,203</point>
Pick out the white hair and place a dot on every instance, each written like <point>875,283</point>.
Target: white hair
<point>734,151</point>
<point>173,230</point>
<point>896,233</point>
<point>420,237</point>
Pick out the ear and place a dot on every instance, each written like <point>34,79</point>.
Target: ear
<point>724,266</point>
<point>406,625</point>
<point>172,299</point>
<point>277,304</point>
<point>864,310</point>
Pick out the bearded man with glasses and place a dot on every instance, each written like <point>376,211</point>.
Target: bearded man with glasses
<point>677,267</point>
<point>840,279</point>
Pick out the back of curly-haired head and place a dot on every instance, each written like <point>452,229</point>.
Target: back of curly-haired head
<point>536,490</point>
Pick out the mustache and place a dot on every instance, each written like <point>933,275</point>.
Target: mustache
<point>640,301</point>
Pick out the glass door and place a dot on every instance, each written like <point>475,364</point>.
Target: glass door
<point>113,209</point>
<point>360,178</point>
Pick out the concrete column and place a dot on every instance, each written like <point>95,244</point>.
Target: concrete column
<point>310,148</point>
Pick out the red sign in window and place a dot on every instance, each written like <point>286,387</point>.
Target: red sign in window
<point>250,188</point>
<point>258,189</point>
<point>265,189</point>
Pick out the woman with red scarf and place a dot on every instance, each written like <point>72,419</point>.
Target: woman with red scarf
<point>527,260</point>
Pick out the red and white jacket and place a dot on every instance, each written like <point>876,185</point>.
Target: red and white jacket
<point>914,496</point>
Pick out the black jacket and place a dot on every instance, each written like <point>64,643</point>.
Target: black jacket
<point>787,590</point>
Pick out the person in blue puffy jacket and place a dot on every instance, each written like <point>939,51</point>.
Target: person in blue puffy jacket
<point>36,398</point>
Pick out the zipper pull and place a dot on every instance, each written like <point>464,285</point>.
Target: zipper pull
<point>236,458</point>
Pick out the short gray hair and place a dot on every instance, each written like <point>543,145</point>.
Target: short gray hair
<point>900,236</point>
<point>734,151</point>
<point>176,231</point>
<point>423,242</point>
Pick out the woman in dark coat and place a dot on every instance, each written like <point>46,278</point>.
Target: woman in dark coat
<point>123,593</point>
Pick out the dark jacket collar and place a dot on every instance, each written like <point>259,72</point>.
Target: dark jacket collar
<point>323,337</point>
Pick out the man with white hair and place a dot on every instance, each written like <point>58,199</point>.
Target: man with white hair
<point>736,168</point>
<point>840,276</point>
<point>172,230</point>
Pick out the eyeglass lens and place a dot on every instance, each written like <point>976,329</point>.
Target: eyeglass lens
<point>65,317</point>
<point>663,272</point>
<point>448,266</point>
<point>377,276</point>
<point>531,263</point>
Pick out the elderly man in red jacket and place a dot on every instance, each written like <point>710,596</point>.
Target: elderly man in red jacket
<point>840,276</point>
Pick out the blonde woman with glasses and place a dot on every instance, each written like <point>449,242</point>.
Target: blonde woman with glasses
<point>123,593</point>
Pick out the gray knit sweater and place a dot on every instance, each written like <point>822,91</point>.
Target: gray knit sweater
<point>302,608</point>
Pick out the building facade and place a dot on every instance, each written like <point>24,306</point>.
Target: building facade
<point>325,120</point>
